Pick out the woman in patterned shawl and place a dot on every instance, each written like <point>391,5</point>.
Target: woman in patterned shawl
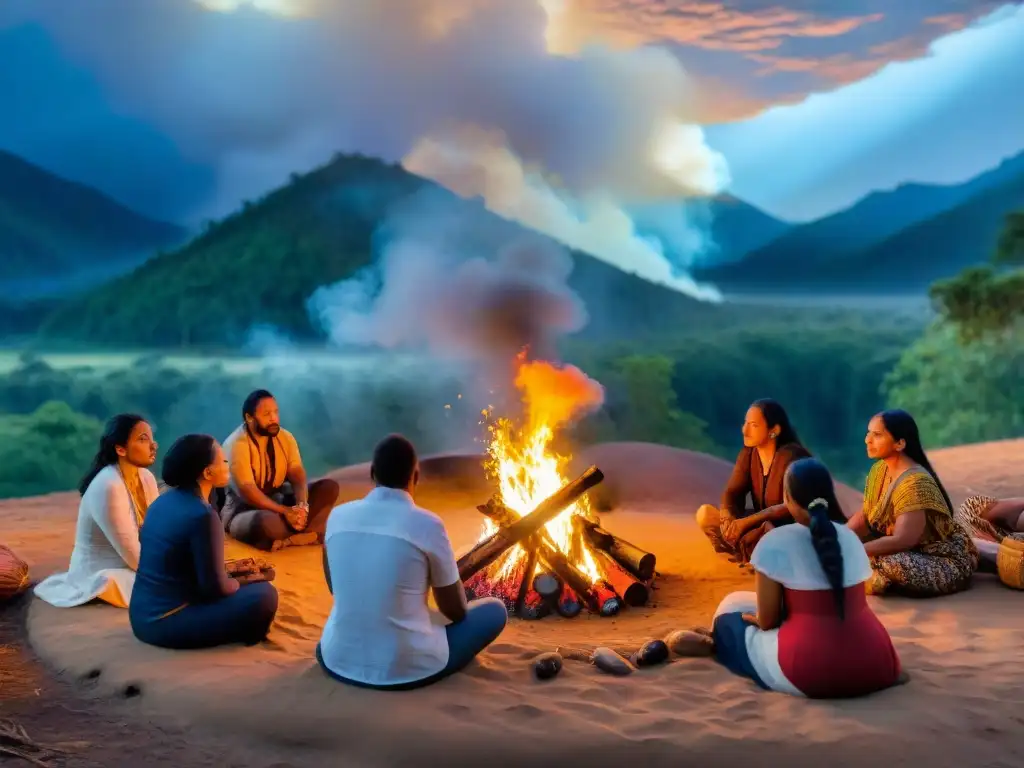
<point>915,545</point>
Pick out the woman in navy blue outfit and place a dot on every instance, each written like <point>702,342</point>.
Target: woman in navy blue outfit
<point>183,596</point>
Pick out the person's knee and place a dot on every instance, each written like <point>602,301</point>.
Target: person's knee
<point>707,516</point>
<point>259,530</point>
<point>268,598</point>
<point>247,528</point>
<point>493,614</point>
<point>737,602</point>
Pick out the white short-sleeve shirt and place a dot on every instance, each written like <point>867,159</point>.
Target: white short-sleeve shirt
<point>384,554</point>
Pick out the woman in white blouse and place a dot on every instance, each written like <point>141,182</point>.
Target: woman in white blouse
<point>116,492</point>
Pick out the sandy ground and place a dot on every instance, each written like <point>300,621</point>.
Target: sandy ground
<point>964,706</point>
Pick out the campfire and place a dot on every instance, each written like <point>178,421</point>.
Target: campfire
<point>542,549</point>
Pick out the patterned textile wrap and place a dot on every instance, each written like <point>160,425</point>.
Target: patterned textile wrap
<point>933,569</point>
<point>945,558</point>
<point>970,515</point>
<point>13,574</point>
<point>914,491</point>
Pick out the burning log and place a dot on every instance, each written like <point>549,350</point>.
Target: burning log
<point>495,545</point>
<point>635,560</point>
<point>608,603</point>
<point>534,606</point>
<point>569,605</point>
<point>549,554</point>
<point>525,583</point>
<point>632,591</point>
<point>570,575</point>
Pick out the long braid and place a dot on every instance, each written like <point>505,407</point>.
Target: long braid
<point>830,554</point>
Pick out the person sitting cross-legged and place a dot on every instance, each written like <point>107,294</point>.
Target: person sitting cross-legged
<point>183,596</point>
<point>916,545</point>
<point>268,503</point>
<point>382,555</point>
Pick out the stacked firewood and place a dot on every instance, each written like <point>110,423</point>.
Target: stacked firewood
<point>546,580</point>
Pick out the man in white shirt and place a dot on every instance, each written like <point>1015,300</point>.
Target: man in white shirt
<point>382,555</point>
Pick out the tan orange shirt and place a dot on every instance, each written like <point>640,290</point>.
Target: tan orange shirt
<point>247,457</point>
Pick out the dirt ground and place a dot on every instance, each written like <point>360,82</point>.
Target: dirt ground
<point>80,730</point>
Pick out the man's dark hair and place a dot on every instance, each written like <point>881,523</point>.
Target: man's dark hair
<point>253,401</point>
<point>394,462</point>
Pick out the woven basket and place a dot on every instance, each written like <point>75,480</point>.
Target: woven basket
<point>1010,563</point>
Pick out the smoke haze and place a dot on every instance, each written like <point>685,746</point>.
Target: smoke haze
<point>426,290</point>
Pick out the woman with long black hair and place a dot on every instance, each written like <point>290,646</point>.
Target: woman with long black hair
<point>770,445</point>
<point>116,491</point>
<point>916,546</point>
<point>808,629</point>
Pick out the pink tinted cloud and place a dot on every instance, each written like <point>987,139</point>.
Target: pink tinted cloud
<point>769,37</point>
<point>712,25</point>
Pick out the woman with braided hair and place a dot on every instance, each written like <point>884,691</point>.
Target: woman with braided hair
<point>807,630</point>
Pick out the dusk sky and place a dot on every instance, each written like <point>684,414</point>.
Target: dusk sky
<point>183,108</point>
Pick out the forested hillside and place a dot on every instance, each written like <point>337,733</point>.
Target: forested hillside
<point>261,264</point>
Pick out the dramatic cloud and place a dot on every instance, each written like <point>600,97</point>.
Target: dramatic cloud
<point>261,88</point>
<point>182,108</point>
<point>767,52</point>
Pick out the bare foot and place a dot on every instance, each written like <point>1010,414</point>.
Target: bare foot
<point>297,540</point>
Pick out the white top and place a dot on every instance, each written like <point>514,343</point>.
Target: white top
<point>384,555</point>
<point>786,555</point>
<point>106,551</point>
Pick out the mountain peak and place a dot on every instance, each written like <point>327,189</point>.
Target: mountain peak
<point>54,225</point>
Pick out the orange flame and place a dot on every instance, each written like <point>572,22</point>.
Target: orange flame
<point>520,456</point>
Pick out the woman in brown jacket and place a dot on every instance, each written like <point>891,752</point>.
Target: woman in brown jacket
<point>770,445</point>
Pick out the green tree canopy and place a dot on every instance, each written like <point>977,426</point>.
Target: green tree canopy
<point>990,298</point>
<point>47,450</point>
<point>961,393</point>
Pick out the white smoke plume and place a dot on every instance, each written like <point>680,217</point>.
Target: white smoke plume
<point>260,88</point>
<point>474,162</point>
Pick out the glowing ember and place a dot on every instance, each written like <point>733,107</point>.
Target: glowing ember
<point>521,459</point>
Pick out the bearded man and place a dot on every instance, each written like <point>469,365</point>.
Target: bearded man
<point>268,503</point>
